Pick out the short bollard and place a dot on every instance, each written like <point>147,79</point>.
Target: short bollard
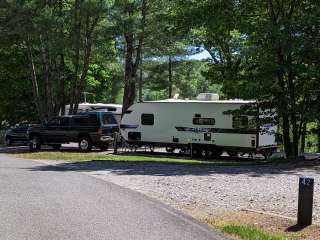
<point>305,201</point>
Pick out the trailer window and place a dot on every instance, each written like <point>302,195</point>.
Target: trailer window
<point>240,122</point>
<point>204,121</point>
<point>147,119</point>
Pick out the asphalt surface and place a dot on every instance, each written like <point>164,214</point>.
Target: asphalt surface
<point>55,204</point>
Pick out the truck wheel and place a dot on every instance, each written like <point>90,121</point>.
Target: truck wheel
<point>85,144</point>
<point>56,146</point>
<point>9,141</point>
<point>34,143</point>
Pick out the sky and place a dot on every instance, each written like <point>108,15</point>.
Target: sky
<point>200,56</point>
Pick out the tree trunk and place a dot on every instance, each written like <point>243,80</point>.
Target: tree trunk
<point>47,79</point>
<point>303,138</point>
<point>170,78</point>
<point>35,88</point>
<point>86,61</point>
<point>76,62</point>
<point>129,77</point>
<point>62,96</point>
<point>131,64</point>
<point>318,136</point>
<point>140,82</point>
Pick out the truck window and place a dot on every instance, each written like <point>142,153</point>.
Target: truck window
<point>240,122</point>
<point>108,119</point>
<point>204,121</point>
<point>64,121</point>
<point>54,122</point>
<point>147,119</point>
<point>81,120</point>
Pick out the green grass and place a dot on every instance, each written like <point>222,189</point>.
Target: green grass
<point>71,156</point>
<point>249,233</point>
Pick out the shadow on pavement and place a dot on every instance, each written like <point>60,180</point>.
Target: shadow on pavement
<point>160,169</point>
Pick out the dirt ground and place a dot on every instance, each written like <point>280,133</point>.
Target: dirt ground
<point>273,224</point>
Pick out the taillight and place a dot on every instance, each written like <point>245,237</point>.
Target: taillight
<point>99,131</point>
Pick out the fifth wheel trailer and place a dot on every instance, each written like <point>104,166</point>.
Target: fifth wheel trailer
<point>203,127</point>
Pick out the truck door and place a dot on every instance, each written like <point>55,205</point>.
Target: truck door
<point>50,131</point>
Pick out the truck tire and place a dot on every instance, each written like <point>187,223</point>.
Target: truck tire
<point>85,144</point>
<point>9,141</point>
<point>34,143</point>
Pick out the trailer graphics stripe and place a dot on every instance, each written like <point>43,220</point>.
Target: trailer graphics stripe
<point>128,126</point>
<point>216,130</point>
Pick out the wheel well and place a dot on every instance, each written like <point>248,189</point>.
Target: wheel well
<point>86,135</point>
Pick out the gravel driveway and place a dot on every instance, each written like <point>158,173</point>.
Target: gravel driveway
<point>259,188</point>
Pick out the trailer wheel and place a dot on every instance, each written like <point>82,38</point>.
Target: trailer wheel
<point>208,154</point>
<point>151,148</point>
<point>232,153</point>
<point>170,149</point>
<point>216,152</point>
<point>196,152</point>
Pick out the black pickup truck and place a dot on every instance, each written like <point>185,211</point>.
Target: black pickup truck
<point>88,130</point>
<point>18,133</point>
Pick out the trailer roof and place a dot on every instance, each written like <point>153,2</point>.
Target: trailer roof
<point>232,101</point>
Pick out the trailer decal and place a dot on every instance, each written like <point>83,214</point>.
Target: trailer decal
<point>216,130</point>
<point>128,126</point>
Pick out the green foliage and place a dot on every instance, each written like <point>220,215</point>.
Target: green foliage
<point>187,79</point>
<point>249,233</point>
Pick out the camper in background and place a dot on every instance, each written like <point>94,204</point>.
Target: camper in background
<point>116,109</point>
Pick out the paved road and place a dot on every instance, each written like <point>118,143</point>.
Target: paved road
<point>54,204</point>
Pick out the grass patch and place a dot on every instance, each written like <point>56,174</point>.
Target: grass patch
<point>249,233</point>
<point>71,156</point>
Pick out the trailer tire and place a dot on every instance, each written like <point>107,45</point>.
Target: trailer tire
<point>196,152</point>
<point>170,149</point>
<point>232,153</point>
<point>216,152</point>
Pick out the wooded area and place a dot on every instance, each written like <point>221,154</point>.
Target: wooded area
<point>129,50</point>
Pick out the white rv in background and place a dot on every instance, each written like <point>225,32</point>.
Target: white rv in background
<point>116,109</point>
<point>201,126</point>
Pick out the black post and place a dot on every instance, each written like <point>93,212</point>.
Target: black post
<point>305,201</point>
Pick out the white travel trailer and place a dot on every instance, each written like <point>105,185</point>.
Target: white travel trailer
<point>116,109</point>
<point>203,127</point>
